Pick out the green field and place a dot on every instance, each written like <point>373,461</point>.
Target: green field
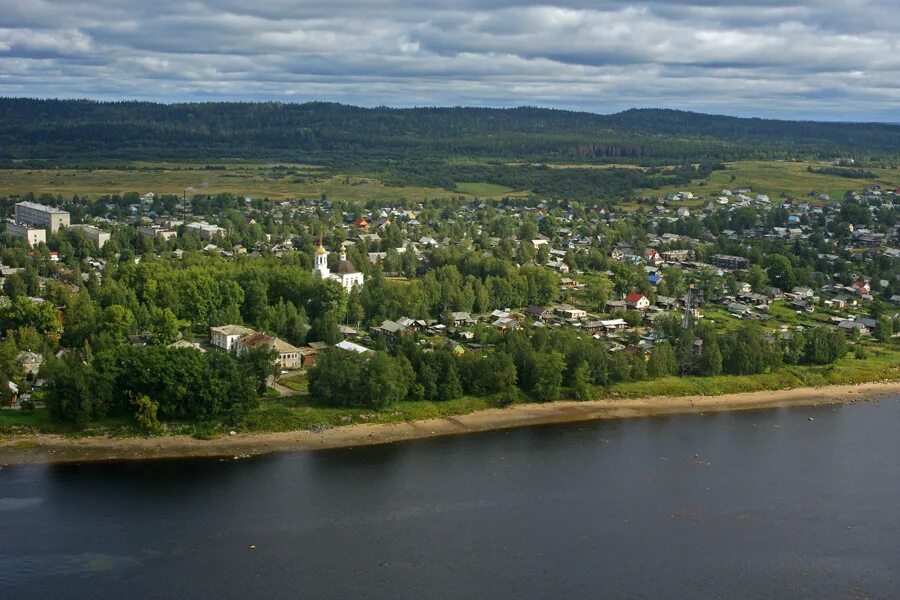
<point>279,181</point>
<point>482,189</point>
<point>778,179</point>
<point>256,180</point>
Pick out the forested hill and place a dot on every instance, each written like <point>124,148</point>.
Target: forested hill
<point>334,133</point>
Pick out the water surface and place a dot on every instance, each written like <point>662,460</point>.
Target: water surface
<point>763,504</point>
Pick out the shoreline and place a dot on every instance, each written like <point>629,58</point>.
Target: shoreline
<point>55,449</point>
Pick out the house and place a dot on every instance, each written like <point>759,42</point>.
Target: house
<point>637,301</point>
<point>458,319</point>
<point>538,313</point>
<point>352,347</point>
<point>226,336</point>
<point>308,356</point>
<point>851,327</point>
<point>567,311</point>
<point>605,326</point>
<point>289,356</point>
<point>506,324</point>
<point>29,362</point>
<point>739,310</point>
<point>652,256</point>
<point>862,287</point>
<point>391,329</point>
<point>726,261</point>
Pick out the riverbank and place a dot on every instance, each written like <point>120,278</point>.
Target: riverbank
<point>46,448</point>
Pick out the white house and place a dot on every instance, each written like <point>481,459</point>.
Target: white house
<point>226,336</point>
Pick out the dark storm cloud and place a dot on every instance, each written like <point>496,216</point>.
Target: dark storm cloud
<point>818,59</point>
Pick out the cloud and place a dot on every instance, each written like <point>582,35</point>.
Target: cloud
<point>824,59</point>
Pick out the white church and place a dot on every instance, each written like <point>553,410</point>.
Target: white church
<point>346,272</point>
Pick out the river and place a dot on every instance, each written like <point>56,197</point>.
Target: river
<point>761,504</point>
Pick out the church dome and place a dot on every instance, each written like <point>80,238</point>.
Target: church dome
<point>320,249</point>
<point>345,267</point>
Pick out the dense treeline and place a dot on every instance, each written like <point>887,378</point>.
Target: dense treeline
<point>550,364</point>
<point>177,384</point>
<point>80,129</point>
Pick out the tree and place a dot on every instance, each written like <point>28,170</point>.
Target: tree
<point>387,380</point>
<point>75,391</point>
<point>823,346</point>
<point>335,378</point>
<point>145,415</point>
<point>581,382</point>
<point>548,375</point>
<point>163,326</point>
<point>757,278</point>
<point>260,364</point>
<point>326,329</point>
<point>663,361</point>
<point>600,290</point>
<point>780,271</point>
<point>884,328</point>
<point>117,321</point>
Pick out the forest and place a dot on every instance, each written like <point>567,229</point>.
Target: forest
<point>82,131</point>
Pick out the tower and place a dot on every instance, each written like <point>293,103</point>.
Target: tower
<point>320,269</point>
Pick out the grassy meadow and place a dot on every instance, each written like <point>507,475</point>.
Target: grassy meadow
<point>280,181</point>
<point>256,180</point>
<point>778,179</point>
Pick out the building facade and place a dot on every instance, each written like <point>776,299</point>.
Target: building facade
<point>32,213</point>
<point>32,235</point>
<point>226,336</point>
<point>94,234</point>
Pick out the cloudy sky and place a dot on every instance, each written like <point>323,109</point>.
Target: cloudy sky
<point>819,59</point>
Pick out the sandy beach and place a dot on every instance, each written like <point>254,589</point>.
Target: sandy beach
<point>43,448</point>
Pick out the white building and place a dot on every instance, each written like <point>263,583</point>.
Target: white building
<point>226,336</point>
<point>205,230</point>
<point>32,213</point>
<point>94,234</point>
<point>347,273</point>
<point>32,235</point>
<point>289,357</point>
<point>155,231</point>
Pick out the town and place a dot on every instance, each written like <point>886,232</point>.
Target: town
<point>599,294</point>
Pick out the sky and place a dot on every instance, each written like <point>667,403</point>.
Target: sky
<point>820,59</point>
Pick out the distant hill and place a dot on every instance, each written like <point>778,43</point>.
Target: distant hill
<point>82,130</point>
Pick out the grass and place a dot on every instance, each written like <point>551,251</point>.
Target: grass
<point>298,383</point>
<point>848,370</point>
<point>777,179</point>
<point>279,181</point>
<point>254,179</point>
<point>299,412</point>
<point>482,189</point>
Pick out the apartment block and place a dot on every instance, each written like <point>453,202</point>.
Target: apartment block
<point>94,234</point>
<point>32,235</point>
<point>32,213</point>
